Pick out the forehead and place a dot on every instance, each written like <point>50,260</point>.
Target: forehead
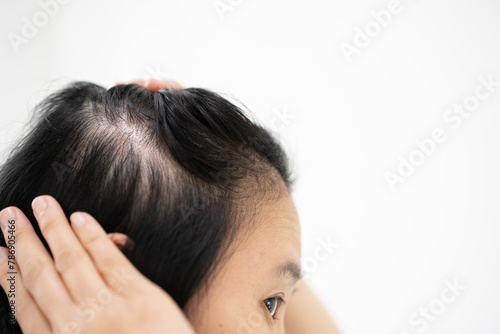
<point>276,219</point>
<point>254,269</point>
<point>273,238</point>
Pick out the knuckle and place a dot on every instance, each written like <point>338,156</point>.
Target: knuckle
<point>46,224</point>
<point>31,269</point>
<point>20,232</point>
<point>109,262</point>
<point>67,258</point>
<point>67,326</point>
<point>93,240</point>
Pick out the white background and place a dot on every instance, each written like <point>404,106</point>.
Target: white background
<point>346,124</point>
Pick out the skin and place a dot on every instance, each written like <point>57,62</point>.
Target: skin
<point>277,239</point>
<point>89,286</point>
<point>304,312</point>
<point>235,299</point>
<point>85,259</point>
<point>60,294</point>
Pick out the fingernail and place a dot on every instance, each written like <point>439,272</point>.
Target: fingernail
<point>8,213</point>
<point>78,219</point>
<point>39,204</point>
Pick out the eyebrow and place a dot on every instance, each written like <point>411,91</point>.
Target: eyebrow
<point>288,269</point>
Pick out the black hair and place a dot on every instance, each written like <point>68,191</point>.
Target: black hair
<point>171,169</point>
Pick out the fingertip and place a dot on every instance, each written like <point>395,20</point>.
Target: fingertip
<point>85,221</point>
<point>43,202</point>
<point>9,212</point>
<point>79,219</point>
<point>119,240</point>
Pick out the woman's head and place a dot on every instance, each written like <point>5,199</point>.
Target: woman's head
<point>203,192</point>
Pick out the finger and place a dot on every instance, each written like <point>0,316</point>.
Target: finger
<point>119,239</point>
<point>122,241</point>
<point>71,260</point>
<point>137,82</point>
<point>155,85</point>
<point>38,273</point>
<point>24,308</point>
<point>114,267</point>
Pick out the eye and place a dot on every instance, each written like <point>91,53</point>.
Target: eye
<point>273,304</point>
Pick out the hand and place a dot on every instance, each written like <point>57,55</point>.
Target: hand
<point>89,286</point>
<point>154,85</point>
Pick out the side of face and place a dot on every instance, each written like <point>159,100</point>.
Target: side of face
<point>246,291</point>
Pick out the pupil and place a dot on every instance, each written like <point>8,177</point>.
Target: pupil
<point>271,305</point>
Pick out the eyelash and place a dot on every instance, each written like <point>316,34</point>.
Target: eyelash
<point>280,302</point>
